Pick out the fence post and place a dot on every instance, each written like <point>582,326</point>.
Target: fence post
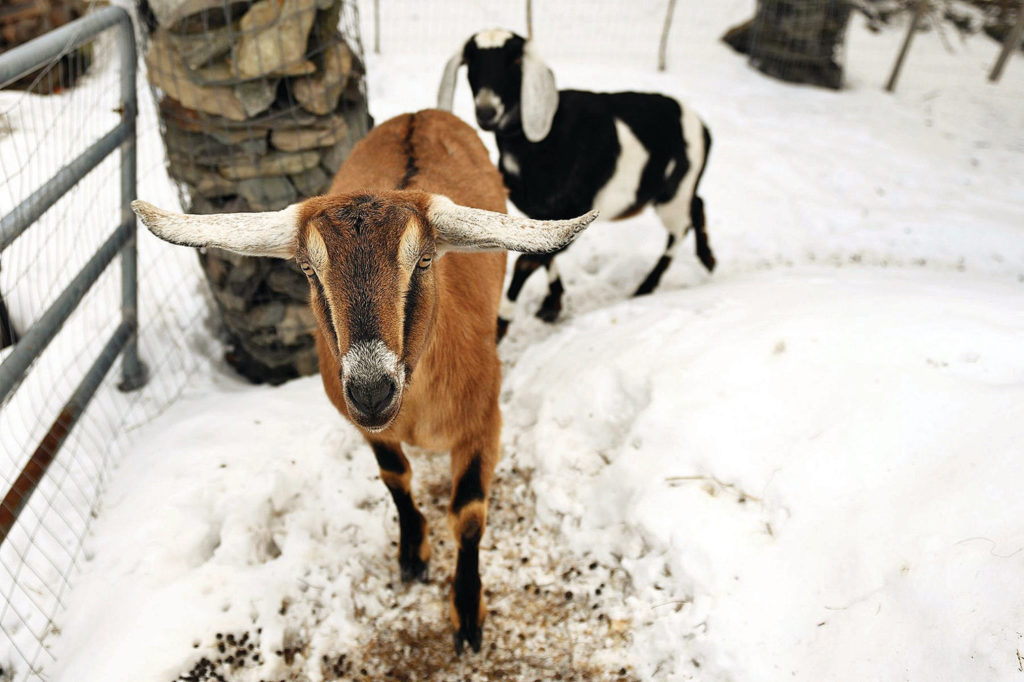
<point>133,371</point>
<point>376,26</point>
<point>918,13</point>
<point>663,48</point>
<point>1011,43</point>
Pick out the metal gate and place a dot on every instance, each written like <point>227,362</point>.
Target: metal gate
<point>123,341</point>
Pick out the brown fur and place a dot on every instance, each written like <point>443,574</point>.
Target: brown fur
<point>450,400</point>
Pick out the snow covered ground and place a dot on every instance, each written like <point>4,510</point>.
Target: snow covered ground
<point>806,466</point>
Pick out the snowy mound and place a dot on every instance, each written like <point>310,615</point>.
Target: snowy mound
<point>803,472</point>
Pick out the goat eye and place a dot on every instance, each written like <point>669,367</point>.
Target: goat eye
<point>425,262</point>
<point>306,268</point>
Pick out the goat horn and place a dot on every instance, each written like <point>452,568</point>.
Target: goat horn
<point>251,234</point>
<point>474,229</point>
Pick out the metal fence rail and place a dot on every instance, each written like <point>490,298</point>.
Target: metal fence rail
<point>123,341</point>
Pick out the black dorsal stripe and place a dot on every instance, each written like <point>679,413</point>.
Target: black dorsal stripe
<point>410,155</point>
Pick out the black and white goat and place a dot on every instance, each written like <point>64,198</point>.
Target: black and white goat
<point>565,153</point>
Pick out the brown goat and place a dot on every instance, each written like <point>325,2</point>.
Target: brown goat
<point>406,337</point>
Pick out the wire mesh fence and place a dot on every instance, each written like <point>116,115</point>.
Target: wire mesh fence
<point>235,108</point>
<point>627,32</point>
<point>59,112</point>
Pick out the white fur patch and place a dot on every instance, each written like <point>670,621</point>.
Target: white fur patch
<point>509,163</point>
<point>619,193</point>
<point>409,247</point>
<point>493,38</point>
<point>369,360</point>
<point>507,309</point>
<point>675,214</point>
<point>317,249</point>
<point>552,271</point>
<point>693,133</point>
<point>487,97</point>
<point>669,167</point>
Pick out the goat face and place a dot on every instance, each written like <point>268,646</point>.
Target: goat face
<point>494,61</point>
<point>369,259</point>
<point>513,90</point>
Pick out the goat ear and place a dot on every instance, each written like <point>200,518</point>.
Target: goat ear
<point>251,234</point>
<point>460,228</point>
<point>539,96</point>
<point>446,91</point>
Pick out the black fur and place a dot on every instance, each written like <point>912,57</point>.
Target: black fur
<point>410,521</point>
<point>659,269</point>
<point>388,459</point>
<point>466,590</point>
<point>560,176</point>
<point>321,298</point>
<point>410,525</point>
<point>411,169</point>
<point>469,487</point>
<point>411,303</point>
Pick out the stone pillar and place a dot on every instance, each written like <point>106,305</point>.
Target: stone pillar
<point>260,103</point>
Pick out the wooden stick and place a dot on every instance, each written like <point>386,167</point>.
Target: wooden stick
<point>376,26</point>
<point>1011,43</point>
<point>663,48</point>
<point>918,13</point>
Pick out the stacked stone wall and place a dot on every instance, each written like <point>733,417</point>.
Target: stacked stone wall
<point>260,104</point>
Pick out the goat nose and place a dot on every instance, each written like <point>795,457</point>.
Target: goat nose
<point>486,113</point>
<point>370,397</point>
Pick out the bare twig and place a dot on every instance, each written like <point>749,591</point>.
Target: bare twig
<point>712,479</point>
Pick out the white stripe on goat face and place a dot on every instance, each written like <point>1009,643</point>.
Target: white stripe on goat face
<point>493,38</point>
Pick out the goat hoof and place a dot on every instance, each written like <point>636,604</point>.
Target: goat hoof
<point>416,570</point>
<point>643,290</point>
<point>472,634</point>
<point>707,259</point>
<point>548,314</point>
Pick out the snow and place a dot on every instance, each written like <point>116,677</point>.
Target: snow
<point>805,466</point>
<point>830,449</point>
